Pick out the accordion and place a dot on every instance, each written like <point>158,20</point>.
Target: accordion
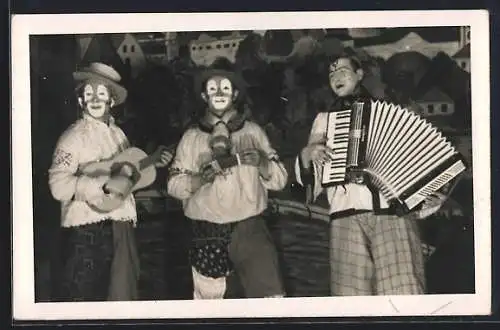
<point>406,157</point>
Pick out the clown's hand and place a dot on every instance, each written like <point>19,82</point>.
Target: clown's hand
<point>206,175</point>
<point>251,157</point>
<point>431,205</point>
<point>317,153</point>
<point>165,157</point>
<point>208,172</point>
<point>257,158</point>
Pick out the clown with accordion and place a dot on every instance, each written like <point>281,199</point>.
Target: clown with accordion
<point>382,168</point>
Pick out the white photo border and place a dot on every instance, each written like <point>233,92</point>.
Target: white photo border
<point>24,306</point>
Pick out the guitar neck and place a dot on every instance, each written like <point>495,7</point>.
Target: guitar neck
<point>153,158</point>
<point>148,161</point>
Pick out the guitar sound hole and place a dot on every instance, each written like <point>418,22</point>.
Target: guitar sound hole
<point>106,190</point>
<point>127,170</point>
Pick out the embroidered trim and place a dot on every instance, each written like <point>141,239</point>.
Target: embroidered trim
<point>274,157</point>
<point>97,220</point>
<point>62,158</point>
<point>176,171</point>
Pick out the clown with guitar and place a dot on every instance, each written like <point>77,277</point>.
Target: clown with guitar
<point>93,174</point>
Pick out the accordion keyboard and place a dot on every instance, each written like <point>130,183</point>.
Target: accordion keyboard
<point>337,140</point>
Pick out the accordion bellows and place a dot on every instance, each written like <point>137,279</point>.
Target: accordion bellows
<point>405,156</point>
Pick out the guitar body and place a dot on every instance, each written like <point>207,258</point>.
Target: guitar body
<point>132,157</point>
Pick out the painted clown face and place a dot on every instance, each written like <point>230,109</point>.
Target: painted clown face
<point>96,100</point>
<point>219,94</point>
<point>343,77</point>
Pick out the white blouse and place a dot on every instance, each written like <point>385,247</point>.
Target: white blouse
<point>238,194</point>
<point>87,140</point>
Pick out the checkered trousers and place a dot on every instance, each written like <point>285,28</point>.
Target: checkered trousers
<point>375,255</point>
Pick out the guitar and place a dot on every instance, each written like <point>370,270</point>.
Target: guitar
<point>129,171</point>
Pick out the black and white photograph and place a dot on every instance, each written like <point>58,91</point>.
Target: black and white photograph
<point>217,165</point>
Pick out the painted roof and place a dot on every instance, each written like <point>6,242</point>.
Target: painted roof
<point>357,33</point>
<point>194,35</point>
<point>429,34</point>
<point>144,36</point>
<point>464,52</point>
<point>434,94</point>
<point>117,39</point>
<point>340,34</point>
<point>338,31</point>
<point>101,49</point>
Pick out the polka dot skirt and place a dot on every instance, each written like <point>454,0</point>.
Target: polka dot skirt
<point>209,249</point>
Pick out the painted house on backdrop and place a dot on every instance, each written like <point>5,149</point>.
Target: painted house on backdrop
<point>435,103</point>
<point>359,33</point>
<point>439,108</point>
<point>130,52</point>
<point>427,41</point>
<point>206,48</point>
<point>154,46</point>
<point>462,58</point>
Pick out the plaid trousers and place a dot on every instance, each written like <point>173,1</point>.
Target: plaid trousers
<point>375,255</point>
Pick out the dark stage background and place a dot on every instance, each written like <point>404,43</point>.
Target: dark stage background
<point>426,69</point>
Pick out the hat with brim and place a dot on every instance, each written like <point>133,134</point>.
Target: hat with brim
<point>106,74</point>
<point>221,66</point>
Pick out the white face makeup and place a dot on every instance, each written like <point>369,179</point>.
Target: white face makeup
<point>96,99</point>
<point>219,92</point>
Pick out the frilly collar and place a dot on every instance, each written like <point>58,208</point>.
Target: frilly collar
<point>97,121</point>
<point>234,120</point>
